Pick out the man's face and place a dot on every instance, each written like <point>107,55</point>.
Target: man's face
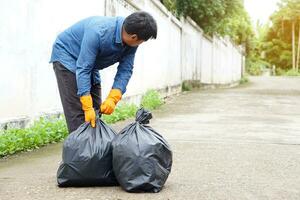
<point>133,41</point>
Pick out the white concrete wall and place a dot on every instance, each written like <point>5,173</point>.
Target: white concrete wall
<point>28,29</point>
<point>211,60</point>
<point>158,62</point>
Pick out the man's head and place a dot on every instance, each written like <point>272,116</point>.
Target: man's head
<point>138,27</point>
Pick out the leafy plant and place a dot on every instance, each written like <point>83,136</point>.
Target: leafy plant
<point>292,72</point>
<point>244,80</point>
<point>280,72</point>
<point>122,112</point>
<point>221,17</point>
<point>51,130</point>
<point>186,86</point>
<point>42,132</point>
<point>151,100</point>
<point>255,66</point>
<point>277,43</point>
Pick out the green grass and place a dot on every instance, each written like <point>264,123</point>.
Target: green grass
<point>52,130</point>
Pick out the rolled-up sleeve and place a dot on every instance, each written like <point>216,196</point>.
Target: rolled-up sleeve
<point>90,46</point>
<point>125,69</point>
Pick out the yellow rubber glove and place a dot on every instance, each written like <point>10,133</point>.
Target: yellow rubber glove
<point>108,106</point>
<point>87,107</point>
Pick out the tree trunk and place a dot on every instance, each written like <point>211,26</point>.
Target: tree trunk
<point>293,44</point>
<point>282,26</point>
<point>298,54</point>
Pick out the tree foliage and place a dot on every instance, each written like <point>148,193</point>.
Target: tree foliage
<point>221,17</point>
<point>277,43</point>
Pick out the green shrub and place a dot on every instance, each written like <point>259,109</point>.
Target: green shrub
<point>51,130</point>
<point>256,66</point>
<point>42,132</point>
<point>280,72</point>
<point>151,100</point>
<point>255,70</point>
<point>121,112</point>
<point>244,80</point>
<point>186,86</point>
<point>292,72</point>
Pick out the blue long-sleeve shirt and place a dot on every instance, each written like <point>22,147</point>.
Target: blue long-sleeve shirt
<point>93,44</point>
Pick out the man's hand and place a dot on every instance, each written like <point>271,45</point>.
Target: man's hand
<point>108,106</point>
<point>87,107</point>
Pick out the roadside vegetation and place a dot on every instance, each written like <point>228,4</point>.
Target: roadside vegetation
<point>49,130</point>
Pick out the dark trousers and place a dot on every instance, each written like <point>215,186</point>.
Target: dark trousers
<point>67,86</point>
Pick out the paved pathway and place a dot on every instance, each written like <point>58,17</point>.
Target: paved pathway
<point>230,144</point>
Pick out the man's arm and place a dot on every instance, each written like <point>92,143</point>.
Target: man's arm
<point>84,67</point>
<point>124,71</point>
<point>85,63</point>
<point>96,77</point>
<point>120,83</point>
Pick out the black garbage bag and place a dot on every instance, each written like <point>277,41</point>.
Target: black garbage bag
<point>142,158</point>
<point>87,157</point>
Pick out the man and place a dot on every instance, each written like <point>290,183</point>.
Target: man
<point>88,46</point>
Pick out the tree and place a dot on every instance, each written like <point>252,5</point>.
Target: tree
<point>221,17</point>
<point>281,40</point>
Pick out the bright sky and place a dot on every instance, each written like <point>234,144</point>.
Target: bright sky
<point>260,9</point>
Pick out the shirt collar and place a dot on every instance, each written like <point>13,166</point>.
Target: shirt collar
<point>118,33</point>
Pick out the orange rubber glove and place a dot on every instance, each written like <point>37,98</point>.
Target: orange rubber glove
<point>108,106</point>
<point>87,107</point>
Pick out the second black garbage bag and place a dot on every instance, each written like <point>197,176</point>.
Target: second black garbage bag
<point>142,158</point>
<point>87,157</point>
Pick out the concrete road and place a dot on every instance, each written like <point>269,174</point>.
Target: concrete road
<point>240,143</point>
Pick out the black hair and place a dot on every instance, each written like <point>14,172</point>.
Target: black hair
<point>142,24</point>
